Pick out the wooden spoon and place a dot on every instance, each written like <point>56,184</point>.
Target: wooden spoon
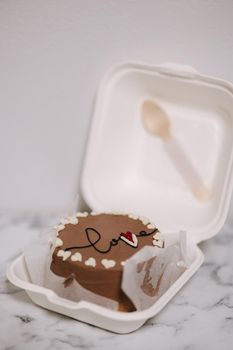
<point>157,122</point>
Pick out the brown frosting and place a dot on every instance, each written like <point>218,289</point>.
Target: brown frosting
<point>105,242</point>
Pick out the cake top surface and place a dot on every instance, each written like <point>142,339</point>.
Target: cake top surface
<point>104,241</point>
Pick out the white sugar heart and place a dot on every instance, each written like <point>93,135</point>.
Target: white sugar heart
<point>82,215</point>
<point>59,227</point>
<point>72,220</point>
<point>108,263</point>
<point>151,226</point>
<point>66,255</point>
<point>58,242</point>
<point>144,220</point>
<point>134,217</point>
<point>64,221</point>
<point>90,262</point>
<point>60,252</point>
<point>76,257</point>
<point>117,212</point>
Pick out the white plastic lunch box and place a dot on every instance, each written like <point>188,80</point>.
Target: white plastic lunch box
<point>127,169</point>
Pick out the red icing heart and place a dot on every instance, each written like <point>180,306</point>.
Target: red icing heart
<point>127,235</point>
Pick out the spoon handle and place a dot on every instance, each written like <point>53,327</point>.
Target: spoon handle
<point>187,170</point>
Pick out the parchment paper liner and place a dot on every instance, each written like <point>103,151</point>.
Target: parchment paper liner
<point>146,275</point>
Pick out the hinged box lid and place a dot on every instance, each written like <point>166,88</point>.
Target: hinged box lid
<point>128,169</point>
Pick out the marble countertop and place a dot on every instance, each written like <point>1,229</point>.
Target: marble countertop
<point>200,316</point>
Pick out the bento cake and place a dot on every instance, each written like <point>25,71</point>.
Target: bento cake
<point>93,248</point>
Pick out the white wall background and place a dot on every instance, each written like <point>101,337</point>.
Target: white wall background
<point>52,57</point>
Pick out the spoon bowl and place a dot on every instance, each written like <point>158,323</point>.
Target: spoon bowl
<point>155,120</point>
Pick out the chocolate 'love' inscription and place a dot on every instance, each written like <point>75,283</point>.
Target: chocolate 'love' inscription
<point>128,237</point>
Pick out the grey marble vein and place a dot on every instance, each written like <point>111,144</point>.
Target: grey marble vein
<point>199,317</point>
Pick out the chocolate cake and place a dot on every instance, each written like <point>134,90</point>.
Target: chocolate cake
<point>93,248</point>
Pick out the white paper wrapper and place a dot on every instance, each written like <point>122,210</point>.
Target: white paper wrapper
<point>147,275</point>
<point>38,258</point>
<point>150,272</point>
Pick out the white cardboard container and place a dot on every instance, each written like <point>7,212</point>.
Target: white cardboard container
<point>127,169</point>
